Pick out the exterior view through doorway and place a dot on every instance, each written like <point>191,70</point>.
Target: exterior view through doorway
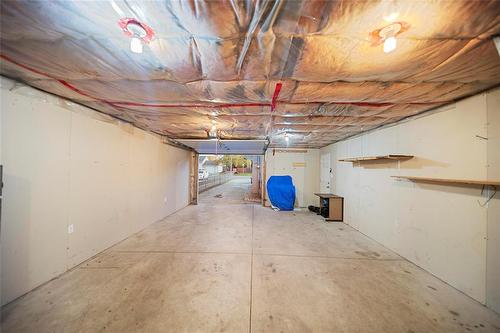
<point>234,178</point>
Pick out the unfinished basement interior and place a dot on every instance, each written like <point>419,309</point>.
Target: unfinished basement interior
<point>250,166</point>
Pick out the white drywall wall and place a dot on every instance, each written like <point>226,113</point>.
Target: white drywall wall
<point>441,228</point>
<point>303,166</point>
<point>75,167</point>
<point>1,163</point>
<point>493,211</point>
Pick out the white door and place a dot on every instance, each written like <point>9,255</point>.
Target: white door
<point>325,173</point>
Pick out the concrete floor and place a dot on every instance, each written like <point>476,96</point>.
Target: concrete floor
<point>233,192</point>
<point>230,266</point>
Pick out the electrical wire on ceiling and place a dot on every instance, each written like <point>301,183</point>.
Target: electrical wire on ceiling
<point>353,65</point>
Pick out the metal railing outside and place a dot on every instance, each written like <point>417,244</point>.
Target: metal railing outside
<point>214,180</point>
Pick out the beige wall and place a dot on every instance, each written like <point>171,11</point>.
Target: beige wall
<point>75,167</point>
<point>302,166</point>
<point>441,228</point>
<point>493,211</point>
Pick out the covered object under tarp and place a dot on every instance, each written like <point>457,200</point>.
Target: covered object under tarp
<point>281,192</point>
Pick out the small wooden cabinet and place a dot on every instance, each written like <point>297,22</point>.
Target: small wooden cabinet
<point>331,207</point>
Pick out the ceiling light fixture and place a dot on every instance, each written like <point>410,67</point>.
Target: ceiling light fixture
<point>212,133</point>
<point>139,33</point>
<point>387,35</point>
<point>136,41</point>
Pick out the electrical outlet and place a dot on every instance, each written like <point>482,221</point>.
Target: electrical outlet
<point>70,229</point>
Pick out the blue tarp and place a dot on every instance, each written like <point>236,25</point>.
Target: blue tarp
<point>281,192</point>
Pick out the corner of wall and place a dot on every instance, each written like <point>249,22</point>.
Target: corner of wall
<point>426,223</point>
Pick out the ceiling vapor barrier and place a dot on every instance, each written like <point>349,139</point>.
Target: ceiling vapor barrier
<point>297,73</point>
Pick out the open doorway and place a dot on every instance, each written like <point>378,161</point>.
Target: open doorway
<point>230,178</point>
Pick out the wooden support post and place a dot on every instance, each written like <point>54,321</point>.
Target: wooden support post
<point>193,179</point>
<point>263,180</point>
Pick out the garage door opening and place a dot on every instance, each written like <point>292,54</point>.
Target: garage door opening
<point>225,164</point>
<point>230,178</point>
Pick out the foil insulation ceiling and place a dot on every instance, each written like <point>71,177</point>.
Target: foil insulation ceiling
<point>260,69</point>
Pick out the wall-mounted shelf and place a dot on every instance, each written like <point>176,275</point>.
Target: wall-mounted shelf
<point>375,158</point>
<point>450,181</point>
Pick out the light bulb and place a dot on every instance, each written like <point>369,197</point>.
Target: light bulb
<point>214,128</point>
<point>390,44</point>
<point>214,121</point>
<point>287,138</point>
<point>136,45</point>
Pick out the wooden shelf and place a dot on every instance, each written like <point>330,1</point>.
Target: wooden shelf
<point>375,158</point>
<point>450,181</point>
